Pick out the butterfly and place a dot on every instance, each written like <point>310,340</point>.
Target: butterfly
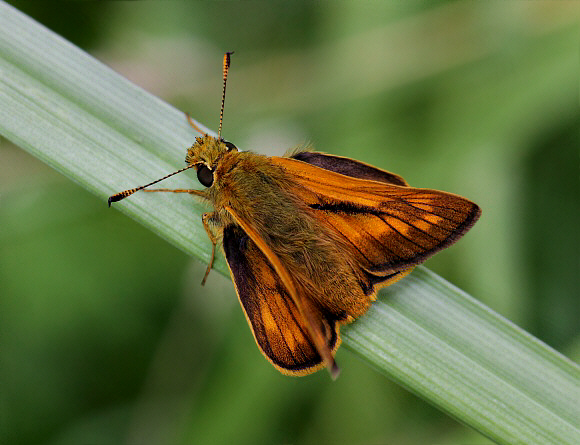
<point>310,238</point>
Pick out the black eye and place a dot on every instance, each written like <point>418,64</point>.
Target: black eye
<point>205,175</point>
<point>229,145</point>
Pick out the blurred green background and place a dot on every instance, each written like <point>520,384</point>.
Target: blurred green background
<point>106,334</point>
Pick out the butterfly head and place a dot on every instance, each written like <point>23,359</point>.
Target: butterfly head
<point>205,154</point>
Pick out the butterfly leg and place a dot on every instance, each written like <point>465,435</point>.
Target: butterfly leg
<point>193,124</point>
<point>210,221</point>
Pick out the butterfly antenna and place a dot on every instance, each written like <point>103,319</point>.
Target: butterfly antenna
<point>225,75</point>
<point>122,195</point>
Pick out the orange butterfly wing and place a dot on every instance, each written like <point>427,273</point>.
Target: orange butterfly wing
<point>387,226</point>
<point>277,324</point>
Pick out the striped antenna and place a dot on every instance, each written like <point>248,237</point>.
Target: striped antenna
<point>225,74</point>
<point>122,195</point>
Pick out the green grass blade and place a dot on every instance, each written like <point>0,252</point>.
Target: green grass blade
<point>95,127</point>
<point>461,356</point>
<point>107,134</point>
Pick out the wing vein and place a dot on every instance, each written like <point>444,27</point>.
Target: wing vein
<point>410,224</point>
<point>304,334</point>
<point>402,234</point>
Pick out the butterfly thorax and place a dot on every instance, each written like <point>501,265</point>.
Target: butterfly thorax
<point>263,195</point>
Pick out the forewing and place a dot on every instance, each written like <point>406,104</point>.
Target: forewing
<point>387,227</point>
<point>278,327</point>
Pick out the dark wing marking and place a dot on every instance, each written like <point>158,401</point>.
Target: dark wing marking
<point>348,167</point>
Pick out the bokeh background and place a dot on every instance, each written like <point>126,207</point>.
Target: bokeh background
<point>106,334</point>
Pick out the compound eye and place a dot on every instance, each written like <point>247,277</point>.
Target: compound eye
<point>205,175</point>
<point>229,145</point>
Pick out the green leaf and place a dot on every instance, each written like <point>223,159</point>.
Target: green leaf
<point>459,355</point>
<point>107,134</point>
